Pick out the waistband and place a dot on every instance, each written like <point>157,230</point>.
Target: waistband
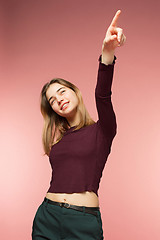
<point>91,210</point>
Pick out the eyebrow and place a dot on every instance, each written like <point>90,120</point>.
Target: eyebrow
<point>56,91</point>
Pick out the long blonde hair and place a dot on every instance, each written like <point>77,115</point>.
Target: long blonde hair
<point>56,124</point>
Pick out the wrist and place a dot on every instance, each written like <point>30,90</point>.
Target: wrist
<point>107,58</point>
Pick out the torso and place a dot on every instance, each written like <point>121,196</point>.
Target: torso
<point>87,199</point>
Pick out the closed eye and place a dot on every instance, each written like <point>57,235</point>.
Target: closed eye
<point>52,102</point>
<point>62,91</point>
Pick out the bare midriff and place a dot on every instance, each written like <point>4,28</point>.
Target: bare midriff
<point>87,199</point>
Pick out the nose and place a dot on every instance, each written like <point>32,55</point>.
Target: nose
<point>59,99</point>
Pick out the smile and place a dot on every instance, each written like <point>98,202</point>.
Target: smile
<point>64,106</point>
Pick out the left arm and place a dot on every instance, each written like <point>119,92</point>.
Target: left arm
<point>106,115</point>
<point>107,119</point>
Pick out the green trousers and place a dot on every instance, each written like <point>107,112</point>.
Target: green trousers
<point>53,222</point>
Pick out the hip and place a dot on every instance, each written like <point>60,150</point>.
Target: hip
<point>64,222</point>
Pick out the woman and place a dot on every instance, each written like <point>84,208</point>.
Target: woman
<point>78,149</point>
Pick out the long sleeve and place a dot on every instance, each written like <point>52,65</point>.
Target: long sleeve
<point>106,115</point>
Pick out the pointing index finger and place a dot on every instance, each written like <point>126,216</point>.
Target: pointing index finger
<point>115,19</point>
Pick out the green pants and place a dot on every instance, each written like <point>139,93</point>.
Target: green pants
<point>53,222</point>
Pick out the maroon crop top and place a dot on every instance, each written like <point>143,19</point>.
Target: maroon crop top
<point>78,159</point>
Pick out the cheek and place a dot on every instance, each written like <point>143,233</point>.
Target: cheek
<point>73,96</point>
<point>74,99</point>
<point>55,108</point>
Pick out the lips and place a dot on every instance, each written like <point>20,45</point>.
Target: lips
<point>63,104</point>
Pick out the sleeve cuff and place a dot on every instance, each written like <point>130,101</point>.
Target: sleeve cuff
<point>102,64</point>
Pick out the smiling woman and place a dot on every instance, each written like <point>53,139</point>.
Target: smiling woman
<point>59,118</point>
<point>70,209</point>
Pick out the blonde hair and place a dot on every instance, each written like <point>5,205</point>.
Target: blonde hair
<point>56,124</point>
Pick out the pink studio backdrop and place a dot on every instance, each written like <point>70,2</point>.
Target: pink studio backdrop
<point>45,39</point>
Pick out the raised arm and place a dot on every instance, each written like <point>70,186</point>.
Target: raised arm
<point>107,119</point>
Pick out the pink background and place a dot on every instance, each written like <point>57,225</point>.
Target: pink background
<point>45,39</point>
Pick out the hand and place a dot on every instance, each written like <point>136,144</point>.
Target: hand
<point>114,38</point>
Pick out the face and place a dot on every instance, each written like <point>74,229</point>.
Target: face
<point>62,99</point>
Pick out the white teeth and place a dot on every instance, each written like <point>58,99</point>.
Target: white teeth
<point>64,105</point>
